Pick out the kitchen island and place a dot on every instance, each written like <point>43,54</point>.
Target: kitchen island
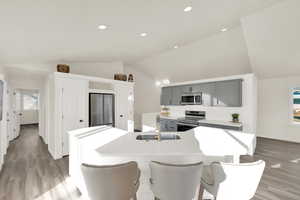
<point>105,146</point>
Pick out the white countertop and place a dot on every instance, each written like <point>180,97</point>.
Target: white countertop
<point>170,117</point>
<point>218,122</point>
<point>105,145</point>
<point>200,140</point>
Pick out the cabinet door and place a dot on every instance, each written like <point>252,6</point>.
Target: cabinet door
<point>163,125</point>
<point>228,93</point>
<point>166,96</point>
<point>186,89</point>
<point>207,90</point>
<point>176,95</point>
<point>74,94</point>
<point>172,126</point>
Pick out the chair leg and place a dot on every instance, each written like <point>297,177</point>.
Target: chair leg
<point>134,198</point>
<point>201,191</point>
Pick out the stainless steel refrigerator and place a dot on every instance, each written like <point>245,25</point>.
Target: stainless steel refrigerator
<point>101,109</point>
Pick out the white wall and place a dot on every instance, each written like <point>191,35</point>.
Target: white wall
<point>30,117</point>
<point>146,95</point>
<point>274,109</point>
<point>103,69</point>
<point>99,69</point>
<point>33,83</point>
<point>222,54</point>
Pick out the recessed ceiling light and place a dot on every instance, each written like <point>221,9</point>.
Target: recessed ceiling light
<point>188,9</point>
<point>102,27</point>
<point>143,34</point>
<point>224,29</point>
<point>176,47</point>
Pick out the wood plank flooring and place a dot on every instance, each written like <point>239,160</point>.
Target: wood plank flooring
<point>30,173</point>
<point>281,178</point>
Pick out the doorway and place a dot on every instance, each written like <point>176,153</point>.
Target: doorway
<point>24,110</point>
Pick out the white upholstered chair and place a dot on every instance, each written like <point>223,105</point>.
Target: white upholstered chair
<point>232,181</point>
<point>175,182</point>
<point>115,182</point>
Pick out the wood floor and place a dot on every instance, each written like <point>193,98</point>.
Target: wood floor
<point>30,173</point>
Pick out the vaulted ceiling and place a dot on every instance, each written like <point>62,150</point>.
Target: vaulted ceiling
<point>266,43</point>
<point>44,31</point>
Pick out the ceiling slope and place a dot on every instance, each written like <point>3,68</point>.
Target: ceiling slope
<point>222,54</point>
<point>51,31</point>
<point>273,40</point>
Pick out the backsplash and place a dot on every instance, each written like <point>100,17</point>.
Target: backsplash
<point>212,113</point>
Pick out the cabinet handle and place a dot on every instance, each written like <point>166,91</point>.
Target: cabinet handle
<point>121,115</point>
<point>81,120</point>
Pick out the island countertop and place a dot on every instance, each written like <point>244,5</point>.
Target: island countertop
<point>106,145</point>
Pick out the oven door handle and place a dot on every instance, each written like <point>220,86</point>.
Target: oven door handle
<point>192,125</point>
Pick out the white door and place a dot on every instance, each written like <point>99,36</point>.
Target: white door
<point>124,107</point>
<point>74,107</point>
<point>18,112</point>
<point>9,119</point>
<point>12,114</point>
<point>15,114</point>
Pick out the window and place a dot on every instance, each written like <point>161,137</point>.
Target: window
<point>296,105</point>
<point>30,101</point>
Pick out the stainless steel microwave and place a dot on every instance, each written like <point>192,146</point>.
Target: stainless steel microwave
<point>191,99</point>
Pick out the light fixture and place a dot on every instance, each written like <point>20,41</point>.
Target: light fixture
<point>176,47</point>
<point>224,29</point>
<point>157,83</point>
<point>143,34</point>
<point>166,81</point>
<point>188,9</point>
<point>102,27</point>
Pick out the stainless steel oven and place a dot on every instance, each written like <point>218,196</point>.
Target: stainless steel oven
<point>191,99</point>
<point>190,121</point>
<point>181,127</point>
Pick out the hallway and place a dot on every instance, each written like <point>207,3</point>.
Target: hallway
<point>30,173</point>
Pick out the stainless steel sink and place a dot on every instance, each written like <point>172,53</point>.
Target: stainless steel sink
<point>156,137</point>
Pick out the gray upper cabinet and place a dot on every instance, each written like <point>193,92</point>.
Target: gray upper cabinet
<point>166,96</point>
<point>221,93</point>
<point>228,93</point>
<point>186,89</point>
<point>176,95</point>
<point>207,90</point>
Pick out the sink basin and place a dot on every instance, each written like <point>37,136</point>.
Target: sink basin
<point>155,137</point>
